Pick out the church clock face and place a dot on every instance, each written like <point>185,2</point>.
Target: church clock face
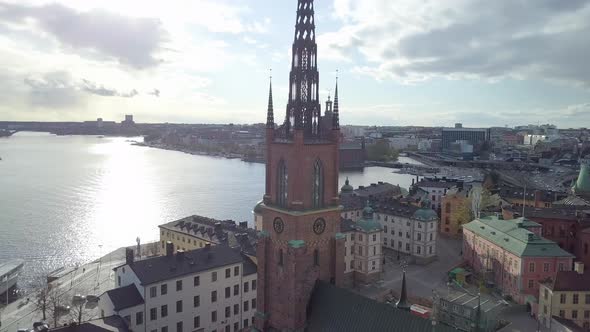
<point>319,226</point>
<point>278,225</point>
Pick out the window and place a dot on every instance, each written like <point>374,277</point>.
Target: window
<point>531,267</point>
<point>227,273</point>
<point>246,306</point>
<point>282,184</point>
<point>586,314</point>
<point>119,281</point>
<point>236,309</point>
<point>179,327</point>
<point>227,312</point>
<point>214,296</point>
<point>318,184</point>
<point>227,292</point>
<point>246,323</point>
<point>407,247</point>
<point>139,318</point>
<point>164,289</point>
<point>213,276</point>
<point>360,250</point>
<point>574,314</point>
<point>153,291</point>
<point>236,271</point>
<point>419,237</point>
<point>392,243</point>
<point>431,237</point>
<point>236,327</point>
<point>197,281</point>
<point>385,229</point>
<point>196,301</point>
<point>153,314</point>
<point>576,298</point>
<point>178,285</point>
<point>227,328</point>
<point>214,316</point>
<point>531,283</point>
<point>374,251</point>
<point>316,257</point>
<point>236,289</point>
<point>561,267</point>
<point>587,299</point>
<point>197,322</point>
<point>246,288</point>
<point>430,249</point>
<point>164,310</point>
<point>418,250</point>
<point>562,298</point>
<point>164,329</point>
<point>351,265</point>
<point>281,257</point>
<point>407,235</point>
<point>546,294</point>
<point>253,303</point>
<point>374,237</point>
<point>179,306</point>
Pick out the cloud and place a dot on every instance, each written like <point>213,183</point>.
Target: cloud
<point>134,42</point>
<point>411,41</point>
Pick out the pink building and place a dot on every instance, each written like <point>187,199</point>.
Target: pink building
<point>513,256</point>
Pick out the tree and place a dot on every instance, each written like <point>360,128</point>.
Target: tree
<point>42,289</point>
<point>380,151</point>
<point>463,214</point>
<point>56,305</point>
<point>79,313</point>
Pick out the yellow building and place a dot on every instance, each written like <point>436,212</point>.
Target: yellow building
<point>455,200</point>
<point>568,297</point>
<point>195,232</point>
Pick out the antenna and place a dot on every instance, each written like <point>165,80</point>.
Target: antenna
<point>524,200</point>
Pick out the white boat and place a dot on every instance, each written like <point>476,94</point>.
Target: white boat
<point>9,272</point>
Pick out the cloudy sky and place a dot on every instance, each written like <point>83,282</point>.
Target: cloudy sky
<point>400,62</point>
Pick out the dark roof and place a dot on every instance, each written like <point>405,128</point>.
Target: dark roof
<point>346,225</point>
<point>568,281</point>
<point>556,212</point>
<point>569,324</point>
<point>162,268</point>
<point>125,297</point>
<point>225,232</point>
<point>249,266</point>
<point>436,184</point>
<point>336,309</point>
<point>518,193</point>
<point>106,324</point>
<point>378,189</point>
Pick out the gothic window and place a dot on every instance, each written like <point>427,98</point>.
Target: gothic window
<point>316,258</point>
<point>318,184</point>
<point>281,257</point>
<point>282,184</point>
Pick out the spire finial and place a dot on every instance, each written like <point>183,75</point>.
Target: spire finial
<point>403,303</point>
<point>336,116</point>
<point>270,119</point>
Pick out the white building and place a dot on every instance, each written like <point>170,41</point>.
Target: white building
<point>208,289</point>
<point>436,190</point>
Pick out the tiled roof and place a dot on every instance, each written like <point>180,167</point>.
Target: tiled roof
<point>518,193</point>
<point>378,189</point>
<point>569,281</point>
<point>573,201</point>
<point>513,236</point>
<point>107,324</point>
<point>435,184</point>
<point>162,268</point>
<point>249,266</point>
<point>556,212</point>
<point>339,310</point>
<point>217,231</point>
<point>125,297</point>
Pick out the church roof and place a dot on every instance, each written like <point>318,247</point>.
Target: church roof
<point>337,309</point>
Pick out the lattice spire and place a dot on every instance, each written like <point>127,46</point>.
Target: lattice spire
<point>336,115</point>
<point>270,118</point>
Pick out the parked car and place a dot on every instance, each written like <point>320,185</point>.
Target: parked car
<point>62,309</point>
<point>77,299</point>
<point>23,330</point>
<point>40,326</point>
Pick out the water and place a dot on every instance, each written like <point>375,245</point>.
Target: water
<point>71,199</point>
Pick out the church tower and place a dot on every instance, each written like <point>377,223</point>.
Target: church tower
<point>300,241</point>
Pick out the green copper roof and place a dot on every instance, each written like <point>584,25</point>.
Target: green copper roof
<point>582,186</point>
<point>514,236</point>
<point>296,243</point>
<point>425,214</point>
<point>369,225</point>
<point>346,188</point>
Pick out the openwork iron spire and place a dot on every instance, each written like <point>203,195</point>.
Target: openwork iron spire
<point>270,118</point>
<point>303,108</point>
<point>336,115</point>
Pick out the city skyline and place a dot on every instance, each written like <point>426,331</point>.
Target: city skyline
<point>400,63</point>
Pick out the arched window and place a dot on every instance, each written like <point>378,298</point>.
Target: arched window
<point>318,184</point>
<point>282,184</point>
<point>316,257</point>
<point>281,257</point>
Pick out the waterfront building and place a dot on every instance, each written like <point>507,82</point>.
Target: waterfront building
<point>474,136</point>
<point>196,232</point>
<point>208,289</point>
<point>512,256</point>
<point>568,226</point>
<point>566,296</point>
<point>452,203</point>
<point>353,154</point>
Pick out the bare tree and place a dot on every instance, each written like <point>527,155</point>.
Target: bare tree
<point>79,314</point>
<point>42,289</point>
<point>56,306</point>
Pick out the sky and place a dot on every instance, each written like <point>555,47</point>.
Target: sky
<point>399,62</point>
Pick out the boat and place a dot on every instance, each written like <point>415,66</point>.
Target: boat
<point>9,272</point>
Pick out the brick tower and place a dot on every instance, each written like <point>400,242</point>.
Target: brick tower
<point>300,241</point>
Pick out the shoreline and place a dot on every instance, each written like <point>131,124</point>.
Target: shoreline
<point>198,153</point>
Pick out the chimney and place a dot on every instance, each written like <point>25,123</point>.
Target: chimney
<point>579,267</point>
<point>180,255</point>
<point>129,256</point>
<point>538,197</point>
<point>169,249</point>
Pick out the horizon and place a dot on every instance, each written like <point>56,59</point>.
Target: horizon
<point>400,63</point>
